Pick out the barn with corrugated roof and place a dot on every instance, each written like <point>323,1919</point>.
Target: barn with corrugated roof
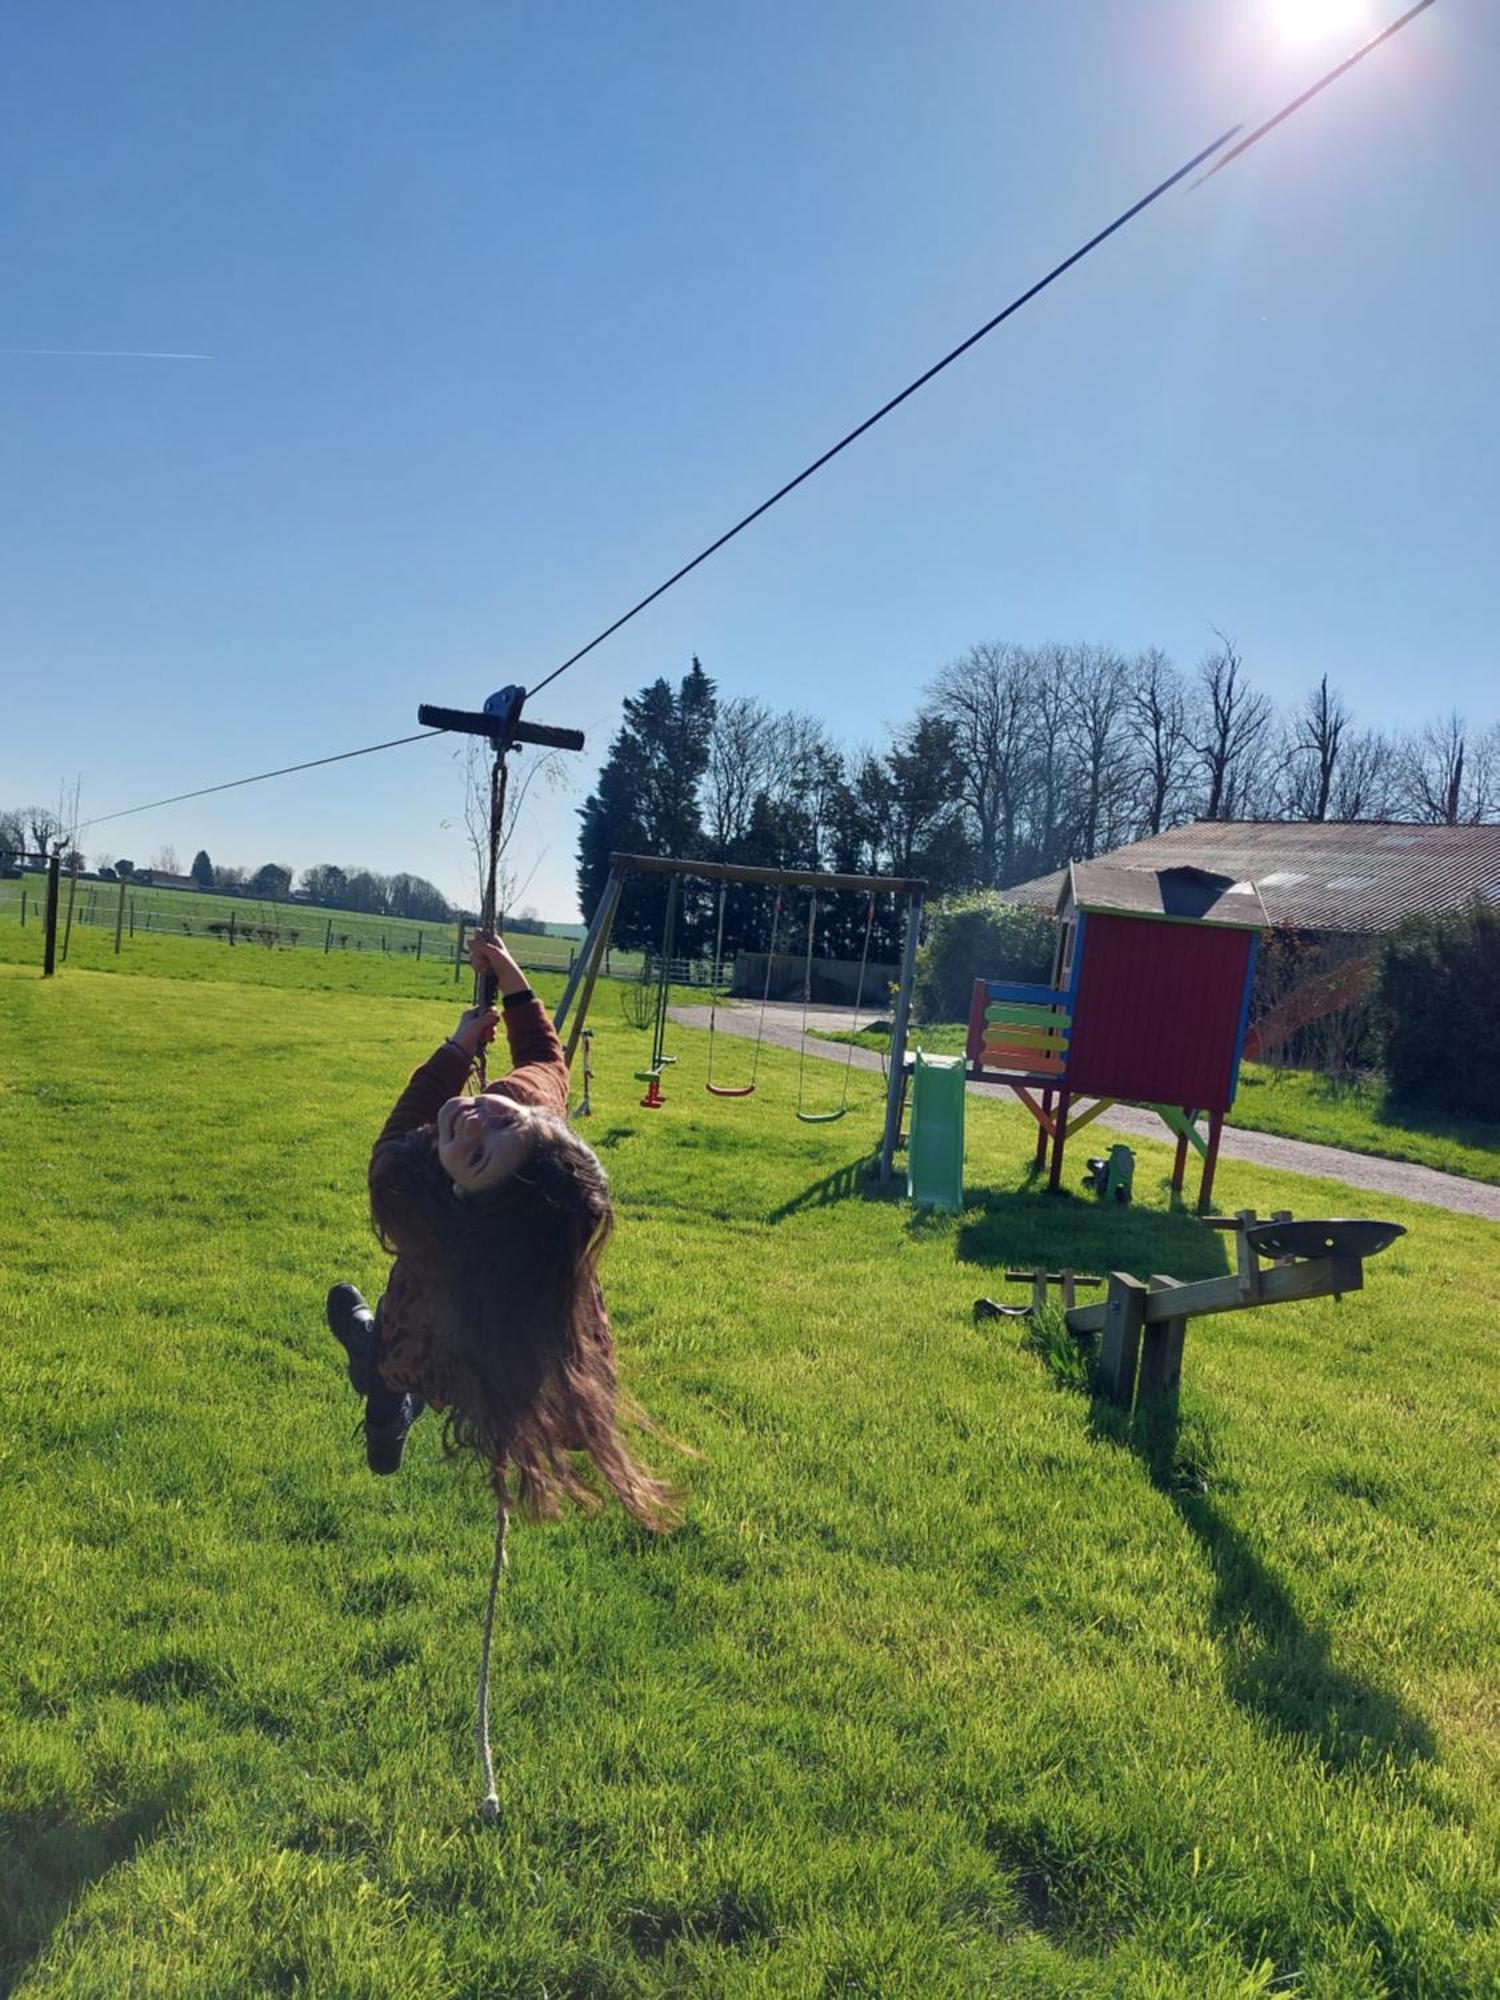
<point>1332,878</point>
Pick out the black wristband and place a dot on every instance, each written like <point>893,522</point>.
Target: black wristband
<point>515,999</point>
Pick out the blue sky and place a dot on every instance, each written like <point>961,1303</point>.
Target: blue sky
<point>512,308</point>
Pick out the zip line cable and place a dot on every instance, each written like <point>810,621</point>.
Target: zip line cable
<point>999,319</point>
<point>286,770</point>
<point>1007,312</point>
<point>897,400</point>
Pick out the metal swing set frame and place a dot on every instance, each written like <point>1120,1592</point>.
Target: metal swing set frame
<point>572,1008</point>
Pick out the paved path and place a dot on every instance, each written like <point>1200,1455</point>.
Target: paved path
<point>1261,1149</point>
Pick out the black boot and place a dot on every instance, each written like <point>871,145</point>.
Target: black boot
<point>353,1326</point>
<point>389,1414</point>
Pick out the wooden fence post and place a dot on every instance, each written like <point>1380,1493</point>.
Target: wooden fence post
<point>119,916</point>
<point>328,937</point>
<point>232,915</point>
<point>49,943</point>
<point>23,906</point>
<point>132,916</point>
<point>419,947</point>
<point>458,952</point>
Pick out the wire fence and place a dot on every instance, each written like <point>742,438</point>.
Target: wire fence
<point>246,923</point>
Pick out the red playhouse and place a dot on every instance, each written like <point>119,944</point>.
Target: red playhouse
<point>1149,1005</point>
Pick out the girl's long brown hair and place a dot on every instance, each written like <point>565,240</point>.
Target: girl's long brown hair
<point>513,1330</point>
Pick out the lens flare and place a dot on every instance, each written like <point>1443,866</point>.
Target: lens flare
<point>1302,22</point>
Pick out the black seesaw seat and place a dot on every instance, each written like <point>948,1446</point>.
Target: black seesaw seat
<point>1339,1238</point>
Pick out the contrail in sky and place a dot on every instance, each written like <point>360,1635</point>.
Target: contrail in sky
<point>107,353</point>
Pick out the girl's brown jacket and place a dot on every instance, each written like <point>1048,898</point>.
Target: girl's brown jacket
<point>539,1076</point>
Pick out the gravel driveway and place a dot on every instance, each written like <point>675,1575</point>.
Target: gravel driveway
<point>1261,1149</point>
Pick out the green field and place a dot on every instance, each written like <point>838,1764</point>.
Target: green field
<point>1299,1105</point>
<point>205,918</point>
<point>950,1683</point>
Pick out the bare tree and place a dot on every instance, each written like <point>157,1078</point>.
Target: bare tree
<point>1229,732</point>
<point>44,828</point>
<point>1485,770</point>
<point>1448,776</point>
<point>1093,680</point>
<point>1364,785</point>
<point>511,879</point>
<point>164,861</point>
<point>1315,746</point>
<point>1156,719</point>
<point>1050,819</point>
<point>989,698</point>
<point>744,749</point>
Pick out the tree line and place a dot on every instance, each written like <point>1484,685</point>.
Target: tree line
<point>1018,759</point>
<point>36,829</point>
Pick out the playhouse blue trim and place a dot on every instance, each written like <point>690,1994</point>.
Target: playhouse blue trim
<point>1077,961</point>
<point>1244,1027</point>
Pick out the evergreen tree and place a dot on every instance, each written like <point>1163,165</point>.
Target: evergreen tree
<point>646,802</point>
<point>202,870</point>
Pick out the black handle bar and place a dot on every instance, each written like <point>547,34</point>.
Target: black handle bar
<point>484,725</point>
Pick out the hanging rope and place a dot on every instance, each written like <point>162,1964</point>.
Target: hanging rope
<point>744,1089</point>
<point>484,982</point>
<point>489,1805</point>
<point>653,1100</point>
<point>828,1117</point>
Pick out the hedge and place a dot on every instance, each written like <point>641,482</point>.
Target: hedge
<point>979,937</point>
<point>1439,999</point>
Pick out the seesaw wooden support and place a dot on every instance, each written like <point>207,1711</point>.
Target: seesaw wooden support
<point>1144,1325</point>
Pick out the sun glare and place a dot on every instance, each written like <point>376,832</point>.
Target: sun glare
<point>1304,21</point>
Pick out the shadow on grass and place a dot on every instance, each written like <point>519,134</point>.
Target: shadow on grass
<point>1429,1124</point>
<point>857,1180</point>
<point>1277,1665</point>
<point>48,1859</point>
<point>1026,1227</point>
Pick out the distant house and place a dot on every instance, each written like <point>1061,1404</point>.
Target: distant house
<point>157,878</point>
<point>1345,879</point>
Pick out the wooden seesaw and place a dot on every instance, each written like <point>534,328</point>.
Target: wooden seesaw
<point>1144,1323</point>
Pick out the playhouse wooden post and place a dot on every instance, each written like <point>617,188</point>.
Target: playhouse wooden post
<point>1041,1130</point>
<point>1119,1350</point>
<point>1059,1140</point>
<point>1179,1164</point>
<point>1210,1161</point>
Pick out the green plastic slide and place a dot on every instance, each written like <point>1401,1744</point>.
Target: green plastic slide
<point>935,1147</point>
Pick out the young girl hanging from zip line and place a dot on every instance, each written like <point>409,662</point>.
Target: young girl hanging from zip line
<point>497,1214</point>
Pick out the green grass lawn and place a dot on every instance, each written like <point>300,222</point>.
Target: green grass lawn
<point>1299,1105</point>
<point>155,914</point>
<point>949,1684</point>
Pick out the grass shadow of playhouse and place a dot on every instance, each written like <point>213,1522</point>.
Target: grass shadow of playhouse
<point>1278,1665</point>
<point>1024,1227</point>
<point>48,1858</point>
